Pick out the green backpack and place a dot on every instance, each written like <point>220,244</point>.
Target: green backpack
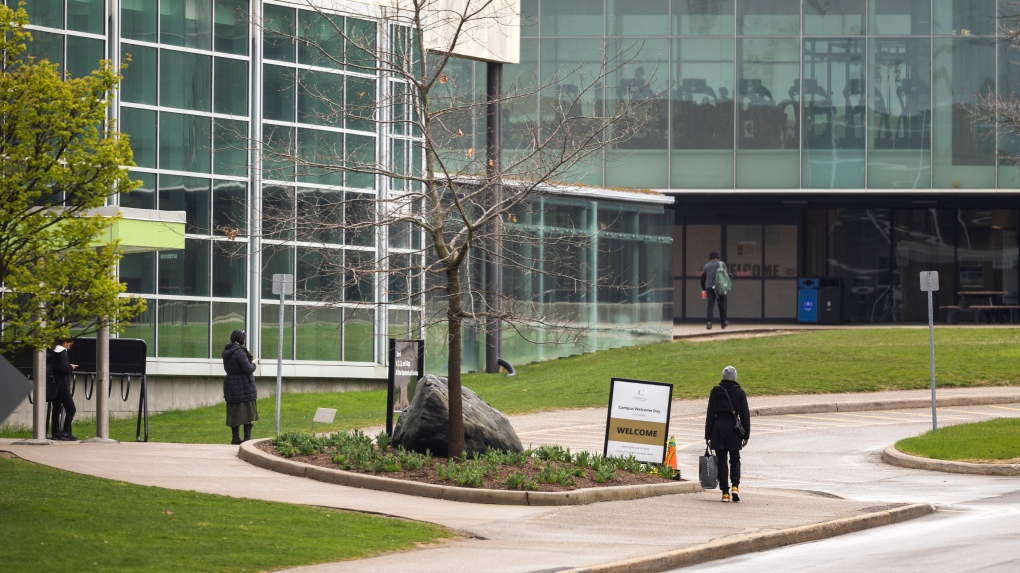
<point>722,280</point>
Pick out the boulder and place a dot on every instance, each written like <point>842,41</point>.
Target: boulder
<point>425,425</point>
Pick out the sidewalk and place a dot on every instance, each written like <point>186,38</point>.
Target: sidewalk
<point>496,538</point>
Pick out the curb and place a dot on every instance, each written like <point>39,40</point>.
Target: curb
<point>897,458</point>
<point>741,544</point>
<point>251,454</point>
<point>903,404</point>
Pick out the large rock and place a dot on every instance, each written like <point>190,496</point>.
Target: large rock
<point>425,425</point>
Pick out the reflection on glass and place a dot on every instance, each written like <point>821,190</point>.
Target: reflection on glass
<point>144,197</point>
<point>639,90</point>
<point>276,259</point>
<point>834,17</point>
<point>230,199</point>
<point>143,327</point>
<point>271,331</point>
<point>186,23</point>
<point>188,194</point>
<point>768,17</point>
<point>964,147</point>
<point>185,80</point>
<point>359,332</point>
<point>226,318</point>
<point>231,86</point>
<point>574,18</point>
<point>183,329</point>
<point>138,272</point>
<point>703,17</point>
<point>140,126</point>
<point>646,18</point>
<point>925,241</point>
<point>85,15</point>
<point>900,17</point>
<point>318,333</point>
<point>231,27</point>
<point>970,18</point>
<point>1008,144</point>
<point>767,137</point>
<point>702,113</point>
<point>185,272</point>
<point>185,142</point>
<point>987,251</point>
<point>84,55</point>
<point>139,83</point>
<point>138,20</point>
<point>900,132</point>
<point>860,254</point>
<point>278,33</point>
<point>230,268</point>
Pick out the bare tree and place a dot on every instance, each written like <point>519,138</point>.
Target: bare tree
<point>436,180</point>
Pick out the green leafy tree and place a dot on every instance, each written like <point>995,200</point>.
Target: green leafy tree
<point>59,162</point>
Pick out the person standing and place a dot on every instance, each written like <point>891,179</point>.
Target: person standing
<point>727,403</point>
<point>708,289</point>
<point>239,387</point>
<point>61,369</point>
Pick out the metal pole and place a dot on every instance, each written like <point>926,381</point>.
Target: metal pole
<point>103,380</point>
<point>931,357</point>
<point>279,359</point>
<point>39,420</point>
<point>493,149</point>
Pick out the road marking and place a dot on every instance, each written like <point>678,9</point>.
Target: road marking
<point>1006,408</point>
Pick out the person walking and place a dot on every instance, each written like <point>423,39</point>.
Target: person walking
<point>708,291</point>
<point>727,415</point>
<point>239,387</point>
<point>61,369</point>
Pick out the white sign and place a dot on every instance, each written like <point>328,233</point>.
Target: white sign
<point>638,420</point>
<point>283,284</point>
<point>324,415</point>
<point>934,280</point>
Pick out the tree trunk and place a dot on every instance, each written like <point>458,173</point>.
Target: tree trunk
<point>454,314</point>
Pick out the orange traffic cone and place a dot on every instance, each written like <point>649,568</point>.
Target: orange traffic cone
<point>671,457</point>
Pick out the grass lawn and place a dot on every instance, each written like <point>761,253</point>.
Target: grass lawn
<point>812,362</point>
<point>997,439</point>
<point>59,521</point>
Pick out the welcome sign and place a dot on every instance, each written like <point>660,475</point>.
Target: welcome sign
<point>638,420</point>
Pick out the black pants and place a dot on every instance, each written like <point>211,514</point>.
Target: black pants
<point>64,402</point>
<point>712,298</point>
<point>725,472</point>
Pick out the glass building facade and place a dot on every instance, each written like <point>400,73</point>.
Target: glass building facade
<point>835,139</point>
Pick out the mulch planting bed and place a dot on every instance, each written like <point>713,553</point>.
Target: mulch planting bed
<point>493,479</point>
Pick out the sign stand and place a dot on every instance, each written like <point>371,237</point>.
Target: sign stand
<point>637,423</point>
<point>283,285</point>
<point>930,283</point>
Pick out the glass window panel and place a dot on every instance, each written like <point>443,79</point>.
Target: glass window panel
<point>781,251</point>
<point>230,208</point>
<point>641,90</point>
<point>900,128</point>
<point>359,276</point>
<point>361,45</point>
<point>1008,144</point>
<point>185,272</point>
<point>84,55</point>
<point>140,126</point>
<point>188,194</point>
<point>925,241</point>
<point>966,18</point>
<point>900,17</point>
<point>231,86</point>
<point>278,212</point>
<point>184,142</point>
<point>575,18</point>
<point>360,154</point>
<point>144,197</point>
<point>768,154</point>
<point>49,13</point>
<point>143,327</point>
<point>835,18</point>
<point>701,240</point>
<point>781,299</point>
<point>139,83</point>
<point>85,15</point>
<point>183,329</point>
<point>964,147</point>
<point>830,100</point>
<point>230,147</point>
<point>360,103</point>
<point>320,155</point>
<point>318,273</point>
<point>46,46</point>
<point>987,251</point>
<point>320,215</point>
<point>702,113</point>
<point>185,80</point>
<point>398,325</point>
<point>647,18</point>
<point>278,260</point>
<point>529,17</point>
<point>322,39</point>
<point>744,301</point>
<point>138,272</point>
<point>271,331</point>
<point>230,30</point>
<point>359,214</point>
<point>319,98</point>
<point>278,93</point>
<point>278,33</point>
<point>744,250</point>
<point>768,17</point>
<point>226,318</point>
<point>186,23</point>
<point>318,333</point>
<point>230,268</point>
<point>860,254</point>
<point>278,152</point>
<point>703,18</point>
<point>359,333</point>
<point>138,20</point>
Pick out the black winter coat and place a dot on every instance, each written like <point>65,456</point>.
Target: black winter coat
<point>239,384</point>
<point>720,425</point>
<point>59,367</point>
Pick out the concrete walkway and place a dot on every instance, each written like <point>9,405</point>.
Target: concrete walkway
<point>556,538</point>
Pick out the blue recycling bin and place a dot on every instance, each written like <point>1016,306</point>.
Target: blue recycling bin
<point>807,300</point>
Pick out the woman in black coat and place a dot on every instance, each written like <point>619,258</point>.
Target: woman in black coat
<point>727,403</point>
<point>239,387</point>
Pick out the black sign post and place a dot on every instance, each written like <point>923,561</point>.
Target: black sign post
<point>407,366</point>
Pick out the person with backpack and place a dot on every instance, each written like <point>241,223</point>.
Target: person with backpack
<point>727,428</point>
<point>715,285</point>
<point>59,368</point>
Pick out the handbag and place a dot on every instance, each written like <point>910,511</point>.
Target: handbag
<point>708,470</point>
<point>739,426</point>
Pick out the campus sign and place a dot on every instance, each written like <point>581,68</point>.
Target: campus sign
<point>637,423</point>
<point>407,366</point>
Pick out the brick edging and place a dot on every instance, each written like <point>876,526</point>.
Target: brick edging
<point>749,543</point>
<point>251,454</point>
<point>897,458</point>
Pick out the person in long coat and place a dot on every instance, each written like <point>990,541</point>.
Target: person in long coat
<point>59,367</point>
<point>239,387</point>
<point>726,403</point>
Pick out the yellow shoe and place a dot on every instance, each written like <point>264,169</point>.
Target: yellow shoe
<point>725,497</point>
<point>735,494</point>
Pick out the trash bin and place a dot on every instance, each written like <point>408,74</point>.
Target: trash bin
<point>807,300</point>
<point>830,301</point>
